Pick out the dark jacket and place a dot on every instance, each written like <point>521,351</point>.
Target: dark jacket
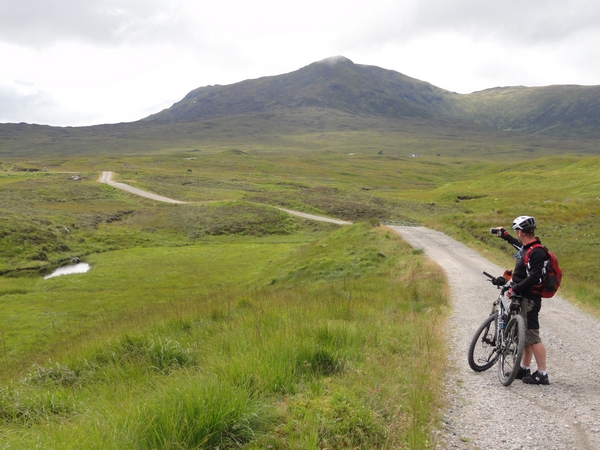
<point>525,277</point>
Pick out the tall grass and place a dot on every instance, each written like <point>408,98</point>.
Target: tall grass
<point>319,361</point>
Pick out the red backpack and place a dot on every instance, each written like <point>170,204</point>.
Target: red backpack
<point>551,282</point>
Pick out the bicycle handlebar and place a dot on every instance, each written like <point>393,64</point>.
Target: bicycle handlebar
<point>496,281</point>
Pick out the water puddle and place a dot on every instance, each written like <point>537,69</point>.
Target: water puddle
<point>68,270</point>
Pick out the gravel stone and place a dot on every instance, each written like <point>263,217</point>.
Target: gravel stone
<point>480,412</point>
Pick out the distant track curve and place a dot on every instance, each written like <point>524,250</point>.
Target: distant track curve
<point>107,176</point>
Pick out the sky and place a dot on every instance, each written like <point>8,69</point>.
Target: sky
<point>87,62</point>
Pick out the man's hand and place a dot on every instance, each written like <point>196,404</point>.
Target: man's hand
<point>499,231</point>
<point>499,281</point>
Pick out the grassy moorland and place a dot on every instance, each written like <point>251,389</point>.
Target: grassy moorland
<point>219,323</point>
<point>227,191</point>
<point>227,323</point>
<point>247,342</point>
<point>563,193</point>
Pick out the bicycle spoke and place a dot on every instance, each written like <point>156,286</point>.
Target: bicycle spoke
<point>483,352</point>
<point>512,350</point>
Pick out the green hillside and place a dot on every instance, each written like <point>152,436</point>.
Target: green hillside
<point>572,111</point>
<point>340,85</point>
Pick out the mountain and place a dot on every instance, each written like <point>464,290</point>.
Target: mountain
<point>334,83</point>
<point>339,84</point>
<point>330,96</point>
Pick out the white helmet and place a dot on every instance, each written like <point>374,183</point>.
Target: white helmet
<point>524,223</point>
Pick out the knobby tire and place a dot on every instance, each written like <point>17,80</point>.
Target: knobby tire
<point>511,354</point>
<point>483,352</point>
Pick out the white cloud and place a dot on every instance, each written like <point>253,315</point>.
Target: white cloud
<point>38,106</point>
<point>530,22</point>
<point>119,60</point>
<point>43,23</point>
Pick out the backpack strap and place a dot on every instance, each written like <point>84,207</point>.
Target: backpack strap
<point>536,245</point>
<point>538,288</point>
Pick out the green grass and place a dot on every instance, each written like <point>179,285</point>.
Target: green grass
<point>120,283</point>
<point>231,359</point>
<point>562,193</point>
<point>227,322</point>
<point>298,131</point>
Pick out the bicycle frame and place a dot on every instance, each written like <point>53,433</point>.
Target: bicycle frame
<point>502,305</point>
<point>499,338</point>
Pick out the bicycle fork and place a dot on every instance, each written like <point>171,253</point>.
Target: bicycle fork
<point>502,338</point>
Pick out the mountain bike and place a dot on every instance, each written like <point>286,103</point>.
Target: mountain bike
<point>501,337</point>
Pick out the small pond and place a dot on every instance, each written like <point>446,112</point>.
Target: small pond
<point>68,270</point>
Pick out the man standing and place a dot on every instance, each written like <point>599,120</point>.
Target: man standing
<point>528,278</point>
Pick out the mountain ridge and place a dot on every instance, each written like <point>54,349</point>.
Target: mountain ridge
<point>338,83</point>
<point>333,83</point>
<point>333,96</point>
<point>561,110</point>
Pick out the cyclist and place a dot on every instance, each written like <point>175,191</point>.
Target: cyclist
<point>525,277</point>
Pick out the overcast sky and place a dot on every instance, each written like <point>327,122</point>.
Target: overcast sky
<point>83,62</point>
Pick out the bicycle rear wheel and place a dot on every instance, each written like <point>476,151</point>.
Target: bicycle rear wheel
<point>483,352</point>
<point>512,351</point>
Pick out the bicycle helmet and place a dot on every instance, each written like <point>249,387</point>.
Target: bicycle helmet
<point>524,223</point>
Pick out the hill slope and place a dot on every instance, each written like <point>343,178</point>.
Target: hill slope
<point>551,110</point>
<point>334,83</point>
<point>339,84</point>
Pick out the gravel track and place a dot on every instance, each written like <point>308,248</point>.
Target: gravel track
<point>106,178</point>
<point>313,217</point>
<point>483,414</point>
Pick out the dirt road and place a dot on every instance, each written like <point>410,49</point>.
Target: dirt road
<point>106,178</point>
<point>482,413</point>
<point>313,217</point>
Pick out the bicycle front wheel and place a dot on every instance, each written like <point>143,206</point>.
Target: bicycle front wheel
<point>483,352</point>
<point>512,350</point>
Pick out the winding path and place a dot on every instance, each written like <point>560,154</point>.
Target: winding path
<point>313,217</point>
<point>483,414</point>
<point>107,177</point>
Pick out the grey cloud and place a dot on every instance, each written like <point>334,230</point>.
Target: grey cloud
<point>37,106</point>
<point>45,22</point>
<point>533,21</point>
<point>14,104</point>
